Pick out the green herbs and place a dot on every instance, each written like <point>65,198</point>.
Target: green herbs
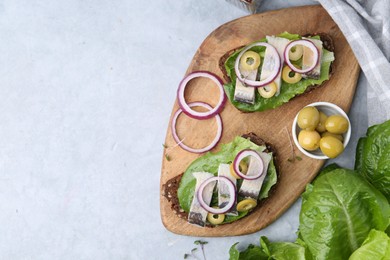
<point>200,243</point>
<point>292,159</point>
<point>166,155</point>
<point>186,256</point>
<point>168,148</point>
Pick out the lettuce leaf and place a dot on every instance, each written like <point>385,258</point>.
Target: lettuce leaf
<point>375,247</point>
<point>287,92</point>
<point>251,253</point>
<point>284,250</point>
<point>373,157</point>
<point>210,163</point>
<point>338,211</point>
<point>330,168</point>
<point>269,180</point>
<point>271,250</point>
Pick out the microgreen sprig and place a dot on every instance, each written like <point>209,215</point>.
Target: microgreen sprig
<point>200,243</point>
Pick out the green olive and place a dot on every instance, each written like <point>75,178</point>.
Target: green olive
<point>321,125</point>
<point>336,124</point>
<point>246,204</point>
<point>243,166</point>
<point>233,172</point>
<point>268,91</point>
<point>250,60</point>
<point>309,140</point>
<point>308,118</point>
<point>331,146</point>
<point>290,76</point>
<point>215,219</point>
<point>340,137</point>
<point>295,52</point>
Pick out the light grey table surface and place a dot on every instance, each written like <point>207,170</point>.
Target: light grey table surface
<point>86,91</point>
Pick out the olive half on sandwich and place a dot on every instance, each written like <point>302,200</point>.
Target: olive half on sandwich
<point>222,187</point>
<point>268,73</point>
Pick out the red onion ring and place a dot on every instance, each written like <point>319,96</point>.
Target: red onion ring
<point>187,109</point>
<point>240,156</point>
<point>232,192</point>
<point>194,150</point>
<point>261,83</point>
<point>307,44</point>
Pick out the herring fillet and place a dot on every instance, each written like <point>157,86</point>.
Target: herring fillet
<point>223,190</point>
<point>244,93</point>
<point>307,59</point>
<point>251,188</point>
<point>280,45</point>
<point>197,214</point>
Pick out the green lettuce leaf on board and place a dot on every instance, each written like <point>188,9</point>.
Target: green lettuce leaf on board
<point>287,91</point>
<point>210,163</point>
<point>338,211</point>
<point>375,247</point>
<point>373,157</point>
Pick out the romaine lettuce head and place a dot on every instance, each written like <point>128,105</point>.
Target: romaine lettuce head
<point>287,92</point>
<point>210,163</point>
<point>373,157</point>
<point>338,211</point>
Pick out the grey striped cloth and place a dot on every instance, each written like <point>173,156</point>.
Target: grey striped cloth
<point>366,26</point>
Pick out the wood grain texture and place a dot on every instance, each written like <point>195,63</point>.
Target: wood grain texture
<point>271,125</point>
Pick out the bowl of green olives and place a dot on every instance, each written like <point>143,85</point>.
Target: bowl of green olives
<point>321,130</point>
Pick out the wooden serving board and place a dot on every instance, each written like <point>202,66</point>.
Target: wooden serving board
<point>271,125</point>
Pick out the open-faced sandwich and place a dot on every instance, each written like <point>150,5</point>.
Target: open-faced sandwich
<point>222,187</point>
<point>268,73</point>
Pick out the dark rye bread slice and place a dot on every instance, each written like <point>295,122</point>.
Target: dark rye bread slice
<point>171,186</point>
<point>327,44</point>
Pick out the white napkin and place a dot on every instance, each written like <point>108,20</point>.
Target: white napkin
<point>366,26</point>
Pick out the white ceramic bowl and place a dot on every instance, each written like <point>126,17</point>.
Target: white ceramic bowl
<point>328,109</point>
